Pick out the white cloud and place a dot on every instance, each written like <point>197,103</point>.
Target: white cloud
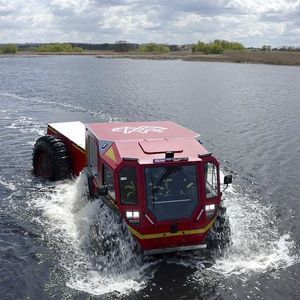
<point>252,22</point>
<point>77,6</point>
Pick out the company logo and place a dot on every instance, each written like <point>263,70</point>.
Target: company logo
<point>104,145</point>
<point>141,129</point>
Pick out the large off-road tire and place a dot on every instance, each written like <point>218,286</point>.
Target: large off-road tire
<point>219,236</point>
<point>51,158</point>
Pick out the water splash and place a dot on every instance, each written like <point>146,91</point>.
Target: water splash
<point>83,230</point>
<point>7,184</point>
<point>257,246</point>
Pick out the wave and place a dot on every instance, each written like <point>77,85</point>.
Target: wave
<point>7,184</point>
<point>81,229</point>
<point>27,125</point>
<point>256,243</point>
<point>105,117</point>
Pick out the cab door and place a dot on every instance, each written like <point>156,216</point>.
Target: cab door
<point>211,187</point>
<point>130,205</point>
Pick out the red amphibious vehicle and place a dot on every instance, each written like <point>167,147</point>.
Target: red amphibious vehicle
<point>158,175</point>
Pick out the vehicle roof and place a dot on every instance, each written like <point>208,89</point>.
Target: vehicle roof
<point>128,131</point>
<point>146,141</point>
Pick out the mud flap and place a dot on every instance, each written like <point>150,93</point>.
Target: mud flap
<point>90,183</point>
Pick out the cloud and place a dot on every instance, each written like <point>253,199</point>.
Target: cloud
<point>5,12</point>
<point>251,22</point>
<point>285,12</point>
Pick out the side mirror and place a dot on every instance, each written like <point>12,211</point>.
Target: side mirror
<point>227,179</point>
<point>103,190</point>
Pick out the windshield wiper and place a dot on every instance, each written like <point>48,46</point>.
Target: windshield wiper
<point>167,174</point>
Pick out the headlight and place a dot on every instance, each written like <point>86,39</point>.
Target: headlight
<point>136,214</point>
<point>210,207</point>
<point>129,214</point>
<point>210,210</point>
<point>133,216</point>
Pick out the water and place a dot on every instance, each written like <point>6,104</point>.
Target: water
<point>248,116</point>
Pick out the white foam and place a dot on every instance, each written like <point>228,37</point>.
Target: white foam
<point>257,245</point>
<point>8,185</point>
<point>11,95</point>
<point>68,219</point>
<point>27,124</point>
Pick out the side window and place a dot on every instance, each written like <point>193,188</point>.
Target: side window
<point>108,179</point>
<point>93,155</point>
<point>211,183</point>
<point>128,187</point>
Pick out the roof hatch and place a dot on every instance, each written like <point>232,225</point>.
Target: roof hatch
<point>160,146</point>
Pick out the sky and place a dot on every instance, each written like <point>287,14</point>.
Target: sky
<point>251,22</point>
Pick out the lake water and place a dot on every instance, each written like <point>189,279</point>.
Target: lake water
<point>247,115</point>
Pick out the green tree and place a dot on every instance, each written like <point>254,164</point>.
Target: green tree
<point>154,48</point>
<point>58,48</point>
<point>9,48</point>
<point>216,47</point>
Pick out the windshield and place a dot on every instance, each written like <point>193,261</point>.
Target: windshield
<point>172,191</point>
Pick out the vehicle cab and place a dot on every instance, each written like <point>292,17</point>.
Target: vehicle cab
<point>160,178</point>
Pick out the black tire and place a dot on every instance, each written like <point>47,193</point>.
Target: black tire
<point>219,236</point>
<point>51,158</point>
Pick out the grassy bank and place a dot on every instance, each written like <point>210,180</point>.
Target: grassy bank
<point>259,57</point>
<point>256,57</point>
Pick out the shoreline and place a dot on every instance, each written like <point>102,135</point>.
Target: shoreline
<point>254,57</point>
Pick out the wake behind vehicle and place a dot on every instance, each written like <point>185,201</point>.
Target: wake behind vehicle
<point>157,175</point>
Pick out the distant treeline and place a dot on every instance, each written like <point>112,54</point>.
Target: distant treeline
<point>118,47</point>
<point>121,46</point>
<point>215,47</point>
